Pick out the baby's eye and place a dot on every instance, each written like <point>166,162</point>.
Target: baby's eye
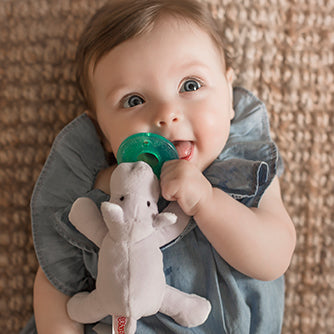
<point>132,101</point>
<point>190,86</point>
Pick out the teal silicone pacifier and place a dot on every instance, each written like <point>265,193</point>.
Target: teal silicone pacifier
<point>155,150</point>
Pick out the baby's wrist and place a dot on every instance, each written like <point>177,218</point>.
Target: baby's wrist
<point>206,198</point>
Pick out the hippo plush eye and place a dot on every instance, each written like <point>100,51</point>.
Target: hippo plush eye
<point>148,203</point>
<point>122,198</point>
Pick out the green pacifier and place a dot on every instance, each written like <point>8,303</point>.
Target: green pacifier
<point>155,150</point>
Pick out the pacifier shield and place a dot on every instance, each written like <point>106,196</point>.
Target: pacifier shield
<point>151,148</point>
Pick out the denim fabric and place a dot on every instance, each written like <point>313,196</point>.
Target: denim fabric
<point>244,169</point>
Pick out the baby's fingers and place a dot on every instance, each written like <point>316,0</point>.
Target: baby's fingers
<point>170,180</point>
<point>169,190</point>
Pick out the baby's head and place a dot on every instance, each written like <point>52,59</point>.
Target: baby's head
<point>158,66</point>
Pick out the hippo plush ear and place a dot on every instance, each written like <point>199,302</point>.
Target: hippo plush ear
<point>113,216</point>
<point>164,219</point>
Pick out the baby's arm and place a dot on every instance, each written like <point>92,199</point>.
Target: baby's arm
<point>258,242</point>
<point>50,309</point>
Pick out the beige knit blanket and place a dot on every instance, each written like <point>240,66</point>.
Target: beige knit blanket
<point>284,53</point>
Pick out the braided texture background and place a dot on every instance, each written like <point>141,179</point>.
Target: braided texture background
<point>284,53</point>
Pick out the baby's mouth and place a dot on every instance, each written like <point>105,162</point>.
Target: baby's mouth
<point>184,149</point>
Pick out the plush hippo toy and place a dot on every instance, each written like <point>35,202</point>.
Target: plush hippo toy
<point>130,280</point>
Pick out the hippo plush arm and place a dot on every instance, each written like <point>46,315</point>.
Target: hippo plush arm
<point>168,232</point>
<point>86,218</point>
<point>164,219</point>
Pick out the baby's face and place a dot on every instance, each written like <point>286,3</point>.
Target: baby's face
<point>170,81</point>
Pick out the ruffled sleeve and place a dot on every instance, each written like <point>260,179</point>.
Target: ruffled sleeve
<point>250,159</point>
<point>69,172</point>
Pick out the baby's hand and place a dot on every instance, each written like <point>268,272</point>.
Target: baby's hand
<point>182,181</point>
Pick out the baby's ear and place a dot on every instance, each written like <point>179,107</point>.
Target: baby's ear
<point>93,118</point>
<point>90,114</point>
<point>230,78</point>
<point>230,75</point>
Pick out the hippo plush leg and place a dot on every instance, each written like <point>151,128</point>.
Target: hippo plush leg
<point>85,308</point>
<point>189,310</point>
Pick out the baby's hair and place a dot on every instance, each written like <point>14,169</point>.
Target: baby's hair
<point>120,20</point>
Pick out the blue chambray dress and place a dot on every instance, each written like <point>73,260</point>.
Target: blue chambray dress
<point>244,169</point>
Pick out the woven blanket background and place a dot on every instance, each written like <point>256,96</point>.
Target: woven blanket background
<point>283,52</point>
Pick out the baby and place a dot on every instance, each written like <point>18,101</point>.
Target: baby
<point>160,66</point>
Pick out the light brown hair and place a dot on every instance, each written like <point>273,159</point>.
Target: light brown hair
<point>120,20</point>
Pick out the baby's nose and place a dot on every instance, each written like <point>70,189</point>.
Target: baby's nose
<point>166,115</point>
